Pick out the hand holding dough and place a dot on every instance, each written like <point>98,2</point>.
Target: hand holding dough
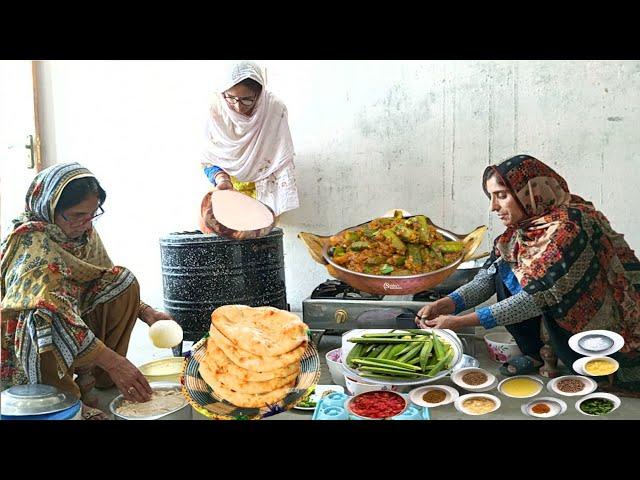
<point>165,333</point>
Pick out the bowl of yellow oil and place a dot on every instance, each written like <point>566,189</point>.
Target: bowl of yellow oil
<point>521,386</point>
<point>163,370</point>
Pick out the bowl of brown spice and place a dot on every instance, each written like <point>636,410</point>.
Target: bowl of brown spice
<point>474,379</point>
<point>433,395</point>
<point>572,385</point>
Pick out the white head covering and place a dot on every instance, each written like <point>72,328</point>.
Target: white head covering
<point>257,148</point>
<point>241,71</point>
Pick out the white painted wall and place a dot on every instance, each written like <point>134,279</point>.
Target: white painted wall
<point>369,136</point>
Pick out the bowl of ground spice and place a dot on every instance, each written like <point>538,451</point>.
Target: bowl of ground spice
<point>433,395</point>
<point>545,407</point>
<point>477,403</point>
<point>572,385</point>
<point>474,379</point>
<point>598,404</point>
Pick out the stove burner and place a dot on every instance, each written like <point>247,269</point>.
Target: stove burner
<point>428,296</point>
<point>340,290</point>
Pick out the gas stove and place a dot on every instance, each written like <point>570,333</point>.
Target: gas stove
<point>334,305</point>
<point>337,307</point>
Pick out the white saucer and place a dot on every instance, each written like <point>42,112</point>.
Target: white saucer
<point>589,386</point>
<point>531,377</point>
<point>490,383</point>
<point>616,402</point>
<point>416,394</point>
<point>459,407</point>
<point>579,364</point>
<point>618,343</point>
<point>557,407</point>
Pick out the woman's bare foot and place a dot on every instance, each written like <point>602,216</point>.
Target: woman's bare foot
<point>90,413</point>
<point>536,364</point>
<point>86,381</point>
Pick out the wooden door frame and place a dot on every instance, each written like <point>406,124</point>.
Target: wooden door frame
<point>35,76</point>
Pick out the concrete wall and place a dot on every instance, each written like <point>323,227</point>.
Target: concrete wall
<point>369,136</point>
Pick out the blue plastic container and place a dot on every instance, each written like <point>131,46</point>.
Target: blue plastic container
<point>66,414</point>
<point>412,412</point>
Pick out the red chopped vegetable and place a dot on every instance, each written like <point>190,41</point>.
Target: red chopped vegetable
<point>378,404</point>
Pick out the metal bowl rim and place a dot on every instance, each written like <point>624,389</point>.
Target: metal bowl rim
<point>158,386</point>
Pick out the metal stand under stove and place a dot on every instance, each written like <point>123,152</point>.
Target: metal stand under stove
<point>334,306</point>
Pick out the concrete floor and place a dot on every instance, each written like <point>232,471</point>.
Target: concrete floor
<point>141,351</point>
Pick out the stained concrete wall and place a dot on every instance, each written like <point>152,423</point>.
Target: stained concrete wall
<point>369,136</point>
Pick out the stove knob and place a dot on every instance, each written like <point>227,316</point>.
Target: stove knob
<point>340,316</point>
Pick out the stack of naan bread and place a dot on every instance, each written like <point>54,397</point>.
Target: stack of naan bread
<point>253,354</point>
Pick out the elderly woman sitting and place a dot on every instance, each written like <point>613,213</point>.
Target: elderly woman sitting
<point>65,307</point>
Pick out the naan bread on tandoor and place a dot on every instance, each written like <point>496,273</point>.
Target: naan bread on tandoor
<point>256,363</point>
<point>216,358</point>
<point>264,331</point>
<point>245,400</point>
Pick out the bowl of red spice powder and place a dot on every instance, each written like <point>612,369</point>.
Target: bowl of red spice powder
<point>376,405</point>
<point>545,407</point>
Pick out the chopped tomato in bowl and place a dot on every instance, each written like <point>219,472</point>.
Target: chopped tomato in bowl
<point>377,404</point>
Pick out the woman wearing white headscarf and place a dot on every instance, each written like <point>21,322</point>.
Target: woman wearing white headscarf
<point>249,142</point>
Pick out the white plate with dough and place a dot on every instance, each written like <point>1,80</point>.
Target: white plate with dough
<point>587,343</point>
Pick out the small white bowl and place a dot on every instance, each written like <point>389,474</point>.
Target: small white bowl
<point>461,408</point>
<point>509,379</point>
<point>501,346</point>
<point>589,385</point>
<point>580,364</point>
<point>356,387</point>
<point>616,402</point>
<point>456,377</point>
<point>334,364</point>
<point>556,407</point>
<point>451,395</point>
<point>576,340</point>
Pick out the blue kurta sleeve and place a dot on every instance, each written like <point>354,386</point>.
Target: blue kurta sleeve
<point>211,173</point>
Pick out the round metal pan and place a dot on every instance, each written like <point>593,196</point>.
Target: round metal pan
<point>392,285</point>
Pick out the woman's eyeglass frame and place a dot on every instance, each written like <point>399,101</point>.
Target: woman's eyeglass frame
<point>245,101</point>
<point>98,213</point>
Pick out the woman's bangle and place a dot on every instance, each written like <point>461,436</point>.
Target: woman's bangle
<point>142,308</point>
<point>224,177</point>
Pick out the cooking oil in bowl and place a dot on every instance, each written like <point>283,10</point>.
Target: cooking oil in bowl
<point>520,387</point>
<point>163,370</point>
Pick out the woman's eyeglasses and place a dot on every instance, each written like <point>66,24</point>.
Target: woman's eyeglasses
<point>79,218</point>
<point>246,101</point>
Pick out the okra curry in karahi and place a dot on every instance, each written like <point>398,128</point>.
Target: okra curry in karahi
<point>394,246</point>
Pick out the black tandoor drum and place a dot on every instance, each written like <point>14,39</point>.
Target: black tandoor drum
<point>201,272</point>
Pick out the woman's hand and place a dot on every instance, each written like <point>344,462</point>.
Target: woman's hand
<point>432,310</point>
<point>129,380</point>
<point>151,315</point>
<point>444,321</point>
<point>225,185</point>
<point>223,181</point>
<point>428,312</point>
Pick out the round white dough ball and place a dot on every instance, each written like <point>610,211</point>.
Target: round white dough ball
<point>165,333</point>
